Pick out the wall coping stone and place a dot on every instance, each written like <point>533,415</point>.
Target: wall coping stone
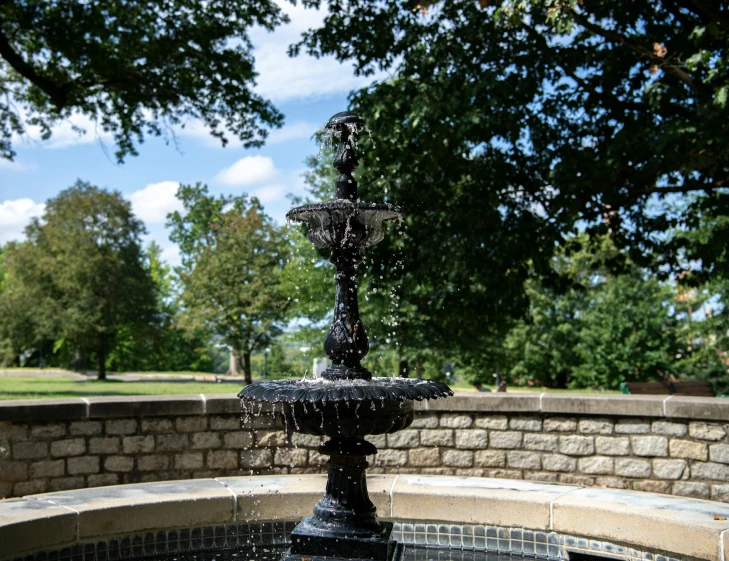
<point>683,526</point>
<point>656,406</point>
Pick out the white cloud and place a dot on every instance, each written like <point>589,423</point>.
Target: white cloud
<point>77,129</point>
<point>15,216</point>
<point>270,193</point>
<point>282,78</point>
<point>153,203</point>
<point>16,165</point>
<point>250,170</point>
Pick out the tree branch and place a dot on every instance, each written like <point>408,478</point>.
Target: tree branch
<point>621,39</point>
<point>683,188</point>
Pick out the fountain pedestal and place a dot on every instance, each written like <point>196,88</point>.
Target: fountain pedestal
<point>347,404</point>
<point>344,524</point>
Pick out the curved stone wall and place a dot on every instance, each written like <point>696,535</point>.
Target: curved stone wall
<point>673,445</point>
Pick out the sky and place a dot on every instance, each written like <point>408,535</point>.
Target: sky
<point>306,90</point>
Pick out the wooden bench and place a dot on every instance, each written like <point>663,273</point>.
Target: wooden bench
<point>700,388</point>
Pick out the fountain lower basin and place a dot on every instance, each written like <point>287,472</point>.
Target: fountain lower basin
<point>451,515</point>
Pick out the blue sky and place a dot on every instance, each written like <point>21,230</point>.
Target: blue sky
<point>308,91</point>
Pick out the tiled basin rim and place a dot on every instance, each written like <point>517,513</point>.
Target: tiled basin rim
<point>461,512</point>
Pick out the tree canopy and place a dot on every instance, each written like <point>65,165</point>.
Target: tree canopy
<point>232,257</point>
<point>506,127</point>
<point>80,276</point>
<point>134,69</point>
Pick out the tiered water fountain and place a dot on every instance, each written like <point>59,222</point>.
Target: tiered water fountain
<point>347,403</point>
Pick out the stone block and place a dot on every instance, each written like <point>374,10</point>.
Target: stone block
<point>32,487</point>
<point>85,428</point>
<point>225,423</point>
<point>82,465</point>
<point>558,462</point>
<point>69,447</point>
<point>691,489</point>
<point>596,426</point>
<point>13,432</point>
<point>688,449</point>
<point>543,476</point>
<point>468,472</point>
<point>291,457</point>
<point>630,467</point>
<point>121,426</point>
<point>575,445</point>
<point>560,424</point>
<point>503,473</point>
<point>596,465</point>
<point>104,445</point>
<point>490,458</point>
<point>404,439</point>
<point>156,426</point>
<point>612,445</point>
<point>317,459</point>
<point>425,421</point>
<point>523,460</point>
<point>610,482</point>
<point>720,493</point>
<point>669,469</point>
<point>709,470</point>
<point>668,428</point>
<point>525,423</point>
<point>455,421</point>
<point>31,450</point>
<point>50,430</point>
<point>576,479</point>
<point>307,440</point>
<point>257,458</point>
<point>473,439</point>
<point>493,422</point>
<point>632,426</point>
<point>652,446</point>
<point>66,483</point>
<point>13,471</point>
<point>171,442</point>
<point>193,423</point>
<point>50,468</point>
<point>391,458</point>
<point>506,439</point>
<point>119,464</point>
<point>189,460</point>
<point>434,437</point>
<point>238,439</point>
<point>426,457</point>
<point>457,458</point>
<point>210,440</point>
<point>541,442</point>
<point>271,438</point>
<point>378,440</point>
<point>154,462</point>
<point>706,431</point>
<point>652,486</point>
<point>138,444</point>
<point>102,480</point>
<point>719,453</point>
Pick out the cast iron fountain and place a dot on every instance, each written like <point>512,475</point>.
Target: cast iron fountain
<point>347,403</point>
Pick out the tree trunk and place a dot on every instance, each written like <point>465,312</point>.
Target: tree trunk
<point>102,364</point>
<point>234,364</point>
<point>418,369</point>
<point>247,367</point>
<point>403,371</point>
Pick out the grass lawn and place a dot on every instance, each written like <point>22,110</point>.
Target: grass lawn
<point>17,387</point>
<point>12,387</point>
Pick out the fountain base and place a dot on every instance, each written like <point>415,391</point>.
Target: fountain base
<point>310,541</point>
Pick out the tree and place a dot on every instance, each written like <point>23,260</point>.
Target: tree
<point>504,126</point>
<point>83,271</point>
<point>232,257</point>
<point>133,69</point>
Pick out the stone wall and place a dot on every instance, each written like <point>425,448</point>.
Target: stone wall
<point>661,444</point>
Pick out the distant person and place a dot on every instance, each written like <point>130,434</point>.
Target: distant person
<point>480,387</point>
<point>502,386</point>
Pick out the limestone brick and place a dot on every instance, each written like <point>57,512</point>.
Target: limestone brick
<point>694,489</point>
<point>121,426</point>
<point>425,421</point>
<point>225,423</point>
<point>237,439</point>
<point>307,440</point>
<point>104,445</point>
<point>650,445</point>
<point>68,447</point>
<point>50,430</point>
<point>435,437</point>
<point>191,423</point>
<point>560,424</point>
<point>209,440</point>
<point>706,431</point>
<point>403,439</point>
<point>652,486</point>
<point>171,442</point>
<point>426,457</point>
<point>156,426</point>
<point>631,467</point>
<point>558,462</point>
<point>49,468</point>
<point>32,450</point>
<point>632,426</point>
<point>227,459</point>
<point>13,471</point>
<point>596,465</point>
<point>457,458</point>
<point>66,483</point>
<point>720,493</point>
<point>532,424</point>
<point>541,442</point>
<point>506,439</point>
<point>493,422</point>
<point>612,445</point>
<point>473,439</point>
<point>388,457</point>
<point>32,487</point>
<point>719,453</point>
<point>688,449</point>
<point>575,445</point>
<point>596,426</point>
<point>269,438</point>
<point>669,469</point>
<point>291,457</point>
<point>189,460</point>
<point>82,465</point>
<point>523,460</point>
<point>154,462</point>
<point>455,421</point>
<point>119,464</point>
<point>490,458</point>
<point>668,428</point>
<point>102,479</point>
<point>709,470</point>
<point>138,444</point>
<point>85,428</point>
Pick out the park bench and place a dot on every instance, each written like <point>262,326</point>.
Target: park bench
<point>685,387</point>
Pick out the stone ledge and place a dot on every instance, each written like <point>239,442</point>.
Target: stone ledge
<point>670,407</point>
<point>682,526</point>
